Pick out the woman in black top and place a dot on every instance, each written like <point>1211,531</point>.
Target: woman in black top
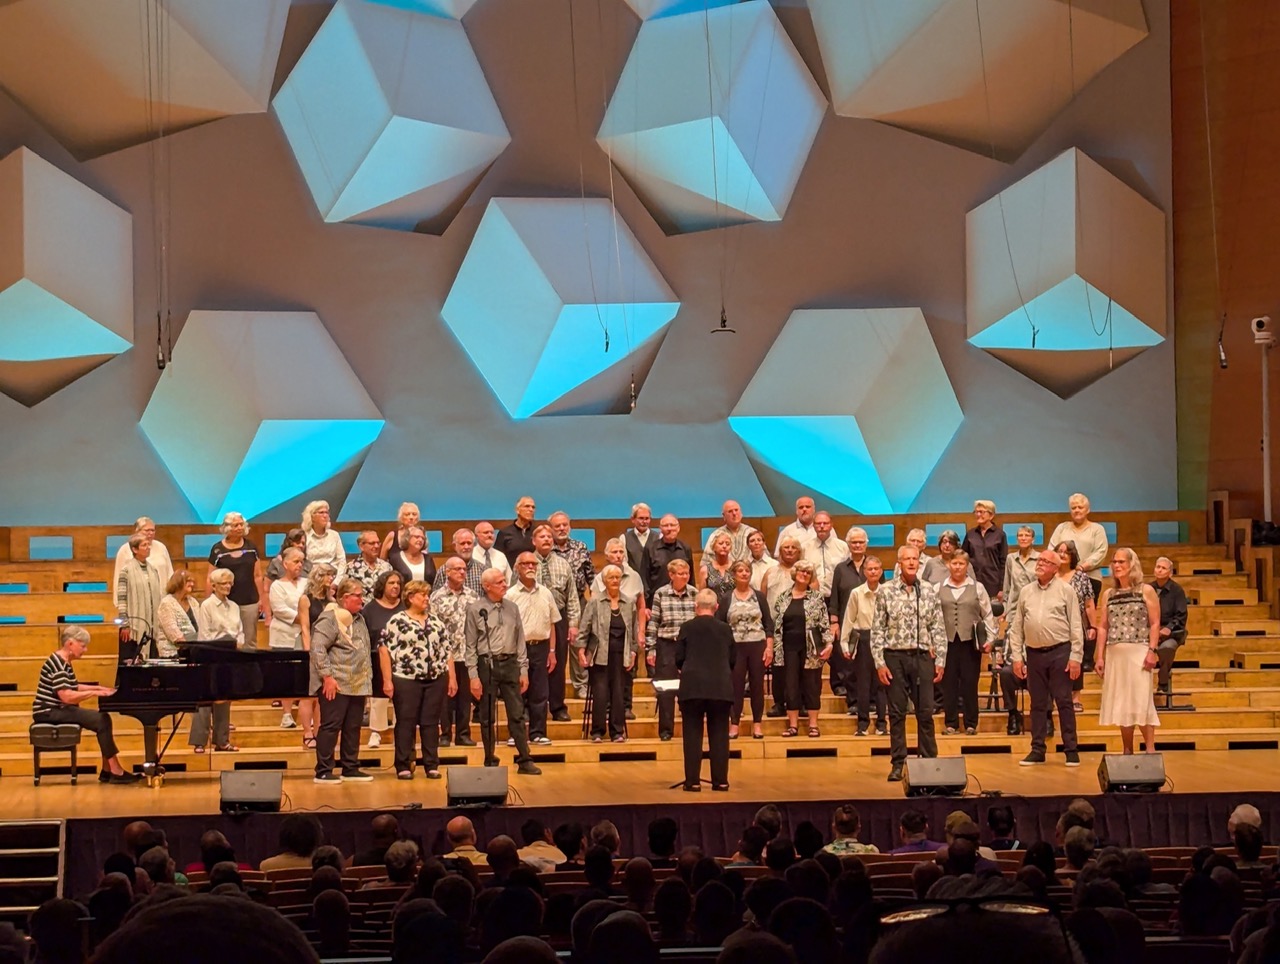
<point>747,612</point>
<point>318,595</point>
<point>386,603</point>
<point>705,656</point>
<point>237,554</point>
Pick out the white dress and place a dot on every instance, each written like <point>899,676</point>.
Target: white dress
<point>1126,687</point>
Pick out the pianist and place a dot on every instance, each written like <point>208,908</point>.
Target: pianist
<point>59,695</point>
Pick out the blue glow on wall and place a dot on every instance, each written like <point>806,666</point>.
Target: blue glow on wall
<point>389,116</point>
<point>539,286</point>
<point>276,438</point>
<point>704,158</point>
<point>455,9</point>
<point>652,9</point>
<point>882,383</point>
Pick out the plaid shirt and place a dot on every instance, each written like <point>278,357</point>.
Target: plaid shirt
<point>367,575</point>
<point>670,611</point>
<point>451,607</point>
<point>576,553</point>
<point>474,571</point>
<point>556,574</point>
<point>908,619</point>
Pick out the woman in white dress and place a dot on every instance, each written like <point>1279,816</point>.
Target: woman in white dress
<point>323,543</point>
<point>1128,637</point>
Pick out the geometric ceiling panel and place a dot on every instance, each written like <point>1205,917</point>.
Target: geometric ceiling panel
<point>250,444</point>
<point>456,9</point>
<point>652,9</point>
<point>705,158</point>
<point>80,66</point>
<point>66,278</point>
<point>881,421</point>
<point>390,117</point>
<point>920,64</point>
<point>553,292</point>
<point>1066,274</point>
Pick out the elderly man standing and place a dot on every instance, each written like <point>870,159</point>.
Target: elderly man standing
<point>556,574</point>
<point>1173,621</point>
<point>498,664</point>
<point>673,606</point>
<point>518,537</point>
<point>464,541</point>
<point>909,646</point>
<point>1046,646</point>
<point>660,553</point>
<point>578,556</point>
<point>802,528</point>
<point>538,617</point>
<point>637,538</point>
<point>450,602</point>
<point>368,565</point>
<point>737,530</point>
<point>139,589</point>
<point>342,675</point>
<point>486,553</point>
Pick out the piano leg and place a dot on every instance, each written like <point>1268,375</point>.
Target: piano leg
<point>151,768</point>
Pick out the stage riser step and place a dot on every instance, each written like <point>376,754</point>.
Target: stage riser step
<point>1201,619</point>
<point>1222,596</point>
<point>1256,626</point>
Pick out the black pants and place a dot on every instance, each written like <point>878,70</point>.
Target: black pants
<point>1048,681</point>
<point>865,682</point>
<point>912,679</point>
<point>665,668</point>
<point>750,662</point>
<point>537,696</point>
<point>1166,652</point>
<point>802,687</point>
<point>96,722</point>
<point>608,696</point>
<point>340,720</point>
<point>417,703</point>
<point>960,683</point>
<point>841,669</point>
<point>716,715</point>
<point>556,678</point>
<point>501,681</point>
<point>455,712</point>
<point>638,669</point>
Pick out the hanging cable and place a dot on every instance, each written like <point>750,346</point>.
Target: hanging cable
<point>613,195</point>
<point>715,164</point>
<point>582,175</point>
<point>1213,191</point>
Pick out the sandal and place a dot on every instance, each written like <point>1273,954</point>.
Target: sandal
<point>790,731</point>
<point>309,742</point>
<point>814,732</point>
<point>197,749</point>
<point>227,748</point>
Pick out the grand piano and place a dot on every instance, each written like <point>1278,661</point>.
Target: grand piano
<point>203,673</point>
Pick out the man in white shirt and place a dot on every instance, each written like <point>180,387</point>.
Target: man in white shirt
<point>802,528</point>
<point>158,560</point>
<point>538,615</point>
<point>615,552</point>
<point>637,537</point>
<point>737,531</point>
<point>826,551</point>
<point>485,553</point>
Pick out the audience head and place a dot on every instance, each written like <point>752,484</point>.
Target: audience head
<point>638,882</point>
<point>331,912</point>
<point>420,934</point>
<point>1040,856</point>
<point>714,914</point>
<point>119,863</point>
<point>532,832</point>
<point>779,854</point>
<point>830,864</point>
<point>754,839</point>
<point>587,918</point>
<point>324,878</point>
<point>913,825</point>
<point>606,835</point>
<point>1244,813</point>
<point>688,859</point>
<point>401,861</point>
<point>807,927</point>
<point>204,929</point>
<point>622,937</point>
<point>300,834</point>
<point>460,832</point>
<point>806,878</point>
<point>225,872</point>
<point>214,847</point>
<point>924,875</point>
<point>755,947</point>
<point>570,840</point>
<point>503,855</point>
<point>598,867</point>
<point>521,950</point>
<point>514,912</point>
<point>1078,845</point>
<point>808,839</point>
<point>1018,938</point>
<point>55,929</point>
<point>158,865</point>
<point>706,870</point>
<point>846,821</point>
<point>1248,842</point>
<point>455,897</point>
<point>326,856</point>
<point>769,819</point>
<point>662,836</point>
<point>764,894</point>
<point>384,830</point>
<point>962,857</point>
<point>672,905</point>
<point>1001,822</point>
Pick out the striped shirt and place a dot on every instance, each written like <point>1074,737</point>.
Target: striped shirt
<point>55,675</point>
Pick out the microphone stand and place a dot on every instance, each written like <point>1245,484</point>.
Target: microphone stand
<point>146,639</point>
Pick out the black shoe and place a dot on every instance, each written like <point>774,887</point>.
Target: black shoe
<point>720,787</point>
<point>852,711</point>
<point>561,716</point>
<point>329,779</point>
<point>445,742</point>
<point>491,761</point>
<point>1014,726</point>
<point>664,737</point>
<point>1073,758</point>
<point>1034,758</point>
<point>1049,731</point>
<point>895,775</point>
<point>356,776</point>
<point>465,741</point>
<point>529,769</point>
<point>862,731</point>
<point>124,778</point>
<point>838,690</point>
<point>631,716</point>
<point>882,729</point>
<point>693,788</point>
<point>776,711</point>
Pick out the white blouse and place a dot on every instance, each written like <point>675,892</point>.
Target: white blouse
<point>284,632</point>
<point>220,619</point>
<point>328,549</point>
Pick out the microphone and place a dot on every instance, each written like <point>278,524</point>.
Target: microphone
<point>1222,355</point>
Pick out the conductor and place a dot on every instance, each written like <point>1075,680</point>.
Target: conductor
<point>705,654</point>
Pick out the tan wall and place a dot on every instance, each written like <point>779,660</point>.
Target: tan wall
<point>1219,412</point>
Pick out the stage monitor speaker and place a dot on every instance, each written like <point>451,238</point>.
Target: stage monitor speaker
<point>938,777</point>
<point>476,786</point>
<point>1131,773</point>
<point>256,791</point>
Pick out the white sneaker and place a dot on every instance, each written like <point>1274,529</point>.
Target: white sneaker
<point>511,741</point>
<point>540,741</point>
<point>375,740</point>
<point>287,722</point>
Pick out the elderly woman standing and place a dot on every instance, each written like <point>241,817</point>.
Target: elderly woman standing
<point>746,610</point>
<point>237,554</point>
<point>311,604</point>
<point>761,561</point>
<point>606,649</point>
<point>407,516</point>
<point>938,569</point>
<point>1070,573</point>
<point>323,543</point>
<point>1126,652</point>
<point>387,601</point>
<point>800,617</point>
<point>713,572</point>
<point>218,617</point>
<point>1090,539</point>
<point>411,559</point>
<point>284,597</point>
<point>415,653</point>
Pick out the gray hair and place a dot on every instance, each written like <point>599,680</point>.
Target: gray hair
<point>1167,561</point>
<point>312,507</point>
<point>706,599</point>
<point>615,542</point>
<point>855,530</point>
<point>1136,577</point>
<point>290,552</point>
<point>407,533</point>
<point>73,634</point>
<point>559,512</point>
<point>951,536</point>
<point>136,540</point>
<point>230,519</point>
<point>142,522</point>
<point>610,569</point>
<point>638,506</point>
<point>411,506</point>
<point>221,575</point>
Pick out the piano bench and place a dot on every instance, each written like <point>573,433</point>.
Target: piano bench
<point>54,736</point>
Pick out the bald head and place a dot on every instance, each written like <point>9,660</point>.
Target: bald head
<point>386,829</point>
<point>460,832</point>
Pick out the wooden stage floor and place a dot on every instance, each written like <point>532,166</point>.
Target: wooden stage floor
<point>639,783</point>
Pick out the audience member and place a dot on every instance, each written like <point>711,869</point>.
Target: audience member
<point>587,918</point>
<point>598,868</point>
<point>521,950</point>
<point>779,854</point>
<point>1244,813</point>
<point>327,856</point>
<point>622,937</point>
<point>461,834</point>
<point>401,862</point>
<point>158,865</point>
<point>751,947</point>
<point>764,894</point>
<point>606,835</point>
<point>1003,827</point>
<point>808,839</point>
<point>1040,855</point>
<point>845,824</point>
<point>1078,846</point>
<point>300,834</point>
<point>806,878</point>
<point>570,840</point>
<point>672,907</point>
<point>331,916</point>
<point>225,872</point>
<point>1248,843</point>
<point>769,818</point>
<point>55,930</point>
<point>807,927</point>
<point>913,832</point>
<point>539,851</point>
<point>714,916</point>
<point>214,849</point>
<point>502,858</point>
<point>924,875</point>
<point>706,870</point>
<point>322,879</point>
<point>662,842</point>
<point>512,912</point>
<point>455,896</point>
<point>750,847</point>
<point>638,883</point>
<point>384,831</point>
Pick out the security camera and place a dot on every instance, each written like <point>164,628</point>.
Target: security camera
<point>1263,331</point>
